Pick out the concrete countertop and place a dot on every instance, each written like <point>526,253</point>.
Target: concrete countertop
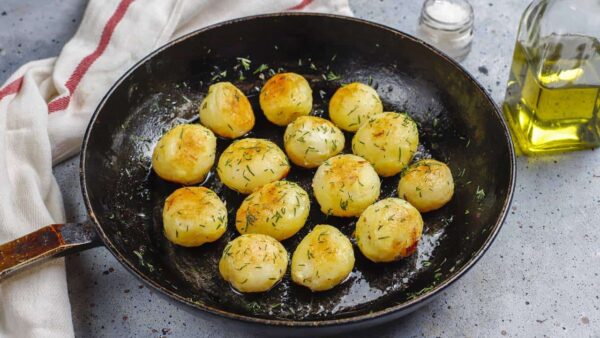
<point>539,278</point>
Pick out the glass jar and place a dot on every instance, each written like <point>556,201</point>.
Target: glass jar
<point>552,98</point>
<point>448,25</point>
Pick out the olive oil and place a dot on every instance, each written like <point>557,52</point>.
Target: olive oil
<point>552,99</point>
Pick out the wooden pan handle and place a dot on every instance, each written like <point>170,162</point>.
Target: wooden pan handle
<point>55,240</point>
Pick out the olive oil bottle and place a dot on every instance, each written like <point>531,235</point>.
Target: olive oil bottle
<point>553,94</point>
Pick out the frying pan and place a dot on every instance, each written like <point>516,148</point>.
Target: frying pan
<point>458,124</point>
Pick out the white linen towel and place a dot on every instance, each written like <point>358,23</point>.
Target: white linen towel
<point>44,109</point>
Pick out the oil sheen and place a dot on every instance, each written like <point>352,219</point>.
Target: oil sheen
<point>552,99</point>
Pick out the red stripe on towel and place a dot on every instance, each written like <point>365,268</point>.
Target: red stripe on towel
<point>11,88</point>
<point>85,64</point>
<point>301,5</point>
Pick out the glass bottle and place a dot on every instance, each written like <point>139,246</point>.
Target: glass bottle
<point>552,98</point>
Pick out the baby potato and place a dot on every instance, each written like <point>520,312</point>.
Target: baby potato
<point>185,154</point>
<point>226,111</point>
<point>323,259</point>
<point>387,140</point>
<point>253,263</point>
<point>311,140</point>
<point>352,105</point>
<point>345,185</point>
<point>193,216</point>
<point>278,209</point>
<point>248,164</point>
<point>388,230</point>
<point>427,184</point>
<point>284,97</point>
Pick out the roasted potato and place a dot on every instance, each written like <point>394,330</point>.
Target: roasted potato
<point>185,154</point>
<point>278,209</point>
<point>284,97</point>
<point>311,140</point>
<point>250,163</point>
<point>193,216</point>
<point>427,184</point>
<point>226,111</point>
<point>352,105</point>
<point>323,259</point>
<point>253,263</point>
<point>389,230</point>
<point>345,185</point>
<point>387,140</point>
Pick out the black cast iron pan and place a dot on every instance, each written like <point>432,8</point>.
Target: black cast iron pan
<point>458,124</point>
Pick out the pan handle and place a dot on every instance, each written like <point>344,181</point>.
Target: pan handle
<point>54,240</point>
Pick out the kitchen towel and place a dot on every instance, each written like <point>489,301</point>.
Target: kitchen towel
<point>44,109</point>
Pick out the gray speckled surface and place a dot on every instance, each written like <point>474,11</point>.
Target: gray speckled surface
<point>540,277</point>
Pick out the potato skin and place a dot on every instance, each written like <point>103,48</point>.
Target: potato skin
<point>352,105</point>
<point>387,140</point>
<point>311,140</point>
<point>345,185</point>
<point>323,259</point>
<point>226,111</point>
<point>250,163</point>
<point>427,184</point>
<point>253,263</point>
<point>389,230</point>
<point>284,97</point>
<point>193,216</point>
<point>185,154</point>
<point>278,209</point>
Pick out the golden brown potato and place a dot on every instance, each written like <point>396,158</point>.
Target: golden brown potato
<point>250,163</point>
<point>185,154</point>
<point>284,97</point>
<point>345,185</point>
<point>253,263</point>
<point>311,140</point>
<point>193,216</point>
<point>352,105</point>
<point>226,111</point>
<point>278,209</point>
<point>427,184</point>
<point>388,230</point>
<point>323,259</point>
<point>387,140</point>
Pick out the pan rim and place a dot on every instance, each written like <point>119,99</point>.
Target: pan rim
<point>386,312</point>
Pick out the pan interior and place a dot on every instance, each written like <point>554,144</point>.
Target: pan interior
<point>457,125</point>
